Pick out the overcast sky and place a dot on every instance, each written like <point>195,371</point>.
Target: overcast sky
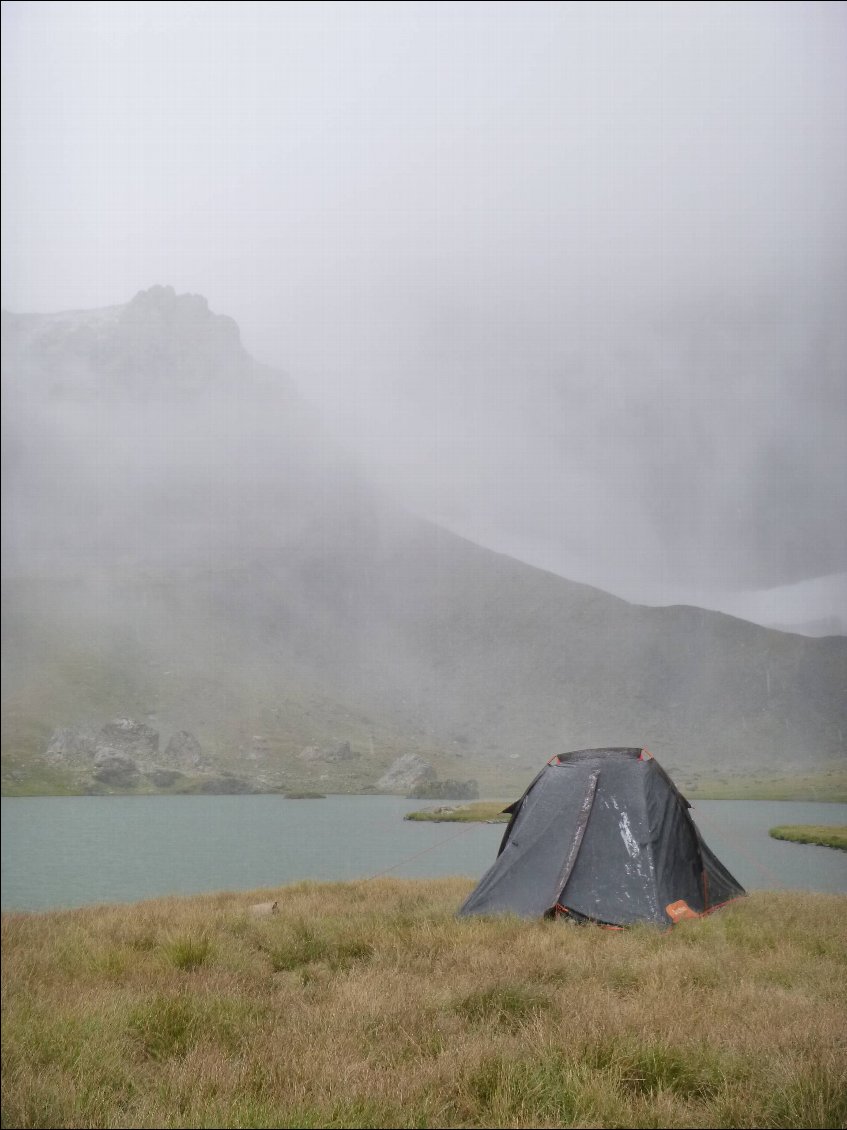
<point>571,278</point>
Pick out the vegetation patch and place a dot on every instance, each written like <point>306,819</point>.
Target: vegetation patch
<point>300,944</point>
<point>511,1005</point>
<point>23,776</point>
<point>188,952</point>
<point>171,1025</point>
<point>826,835</point>
<point>544,1091</point>
<point>646,1066</point>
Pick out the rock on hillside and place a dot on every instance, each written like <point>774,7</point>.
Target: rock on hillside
<point>448,789</point>
<point>117,771</point>
<point>184,750</point>
<point>406,772</point>
<point>342,752</point>
<point>127,738</point>
<point>72,743</point>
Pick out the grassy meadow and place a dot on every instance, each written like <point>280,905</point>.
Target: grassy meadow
<point>826,835</point>
<point>369,1004</point>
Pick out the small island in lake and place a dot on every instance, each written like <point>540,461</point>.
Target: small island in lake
<point>481,812</point>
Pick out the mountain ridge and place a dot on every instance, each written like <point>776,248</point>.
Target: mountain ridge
<point>237,577</point>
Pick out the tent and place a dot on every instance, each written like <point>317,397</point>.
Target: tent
<point>603,835</point>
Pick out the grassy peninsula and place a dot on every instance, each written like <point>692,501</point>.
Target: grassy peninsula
<point>369,1004</point>
<point>477,812</point>
<point>826,835</point>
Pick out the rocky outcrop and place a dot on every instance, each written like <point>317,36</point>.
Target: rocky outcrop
<point>165,778</point>
<point>123,749</point>
<point>120,738</point>
<point>224,785</point>
<point>158,340</point>
<point>446,790</point>
<point>116,770</point>
<point>184,750</point>
<point>343,752</point>
<point>173,338</point>
<point>72,743</point>
<point>118,748</point>
<point>406,772</point>
<point>125,738</point>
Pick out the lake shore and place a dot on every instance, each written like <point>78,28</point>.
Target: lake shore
<point>34,777</point>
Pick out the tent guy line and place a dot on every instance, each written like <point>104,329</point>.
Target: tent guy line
<point>751,859</point>
<point>418,854</point>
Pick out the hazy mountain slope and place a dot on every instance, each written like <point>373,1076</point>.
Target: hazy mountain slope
<point>184,546</point>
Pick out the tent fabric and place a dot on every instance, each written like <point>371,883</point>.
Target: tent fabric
<point>604,835</point>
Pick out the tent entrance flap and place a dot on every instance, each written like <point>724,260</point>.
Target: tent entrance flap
<point>578,833</point>
<point>541,848</point>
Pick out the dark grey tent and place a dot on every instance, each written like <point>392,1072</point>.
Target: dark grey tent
<point>603,835</point>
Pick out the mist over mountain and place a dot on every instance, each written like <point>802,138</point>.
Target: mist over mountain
<point>145,433</point>
<point>561,276</point>
<point>184,545</point>
<point>707,432</point>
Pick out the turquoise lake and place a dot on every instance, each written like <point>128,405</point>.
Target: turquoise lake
<point>74,851</point>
